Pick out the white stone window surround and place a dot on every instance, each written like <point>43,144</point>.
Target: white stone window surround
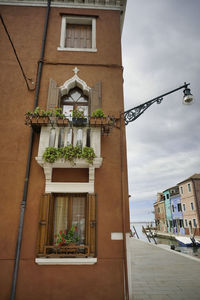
<point>77,20</point>
<point>66,261</point>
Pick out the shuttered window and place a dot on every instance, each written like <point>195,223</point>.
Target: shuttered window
<point>58,213</point>
<point>78,33</point>
<point>78,36</point>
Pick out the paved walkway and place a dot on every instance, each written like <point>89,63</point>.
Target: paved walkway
<point>160,274</point>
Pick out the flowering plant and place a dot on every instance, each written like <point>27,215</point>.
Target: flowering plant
<point>65,237</point>
<point>76,113</point>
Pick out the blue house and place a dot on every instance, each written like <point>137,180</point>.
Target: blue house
<point>176,210</point>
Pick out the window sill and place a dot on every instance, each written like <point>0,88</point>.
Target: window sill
<point>65,261</point>
<point>77,49</point>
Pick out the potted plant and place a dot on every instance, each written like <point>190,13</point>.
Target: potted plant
<point>98,117</point>
<point>60,117</point>
<point>78,118</point>
<point>67,237</point>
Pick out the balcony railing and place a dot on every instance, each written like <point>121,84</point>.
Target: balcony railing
<point>105,123</point>
<point>66,251</point>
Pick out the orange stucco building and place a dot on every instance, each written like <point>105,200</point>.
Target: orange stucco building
<point>70,53</point>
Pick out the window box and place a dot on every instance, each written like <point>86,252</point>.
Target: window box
<point>99,121</point>
<point>62,121</point>
<point>79,122</point>
<point>66,251</point>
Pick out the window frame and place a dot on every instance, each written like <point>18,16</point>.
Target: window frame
<point>46,230</point>
<point>189,187</point>
<point>79,20</point>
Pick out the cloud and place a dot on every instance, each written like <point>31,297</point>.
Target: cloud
<point>161,50</point>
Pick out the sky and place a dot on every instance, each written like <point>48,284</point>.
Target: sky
<point>161,51</point>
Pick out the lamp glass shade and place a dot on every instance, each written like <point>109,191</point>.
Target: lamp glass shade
<point>188,98</point>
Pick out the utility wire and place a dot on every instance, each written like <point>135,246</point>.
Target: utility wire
<point>23,73</point>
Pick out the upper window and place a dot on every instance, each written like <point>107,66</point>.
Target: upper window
<point>189,187</point>
<point>74,100</point>
<point>192,205</point>
<point>78,34</point>
<point>181,188</point>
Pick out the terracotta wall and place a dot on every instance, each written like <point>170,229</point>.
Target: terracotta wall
<point>105,279</point>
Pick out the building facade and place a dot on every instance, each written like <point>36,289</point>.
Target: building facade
<point>176,209</point>
<point>181,207</point>
<point>160,215</point>
<point>190,195</point>
<point>168,211</point>
<point>64,194</point>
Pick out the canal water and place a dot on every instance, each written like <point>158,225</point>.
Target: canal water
<point>186,250</point>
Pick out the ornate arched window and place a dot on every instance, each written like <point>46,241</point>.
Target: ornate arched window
<point>74,100</point>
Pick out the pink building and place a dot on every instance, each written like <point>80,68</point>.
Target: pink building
<point>190,200</point>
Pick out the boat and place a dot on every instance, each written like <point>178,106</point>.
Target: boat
<point>187,241</point>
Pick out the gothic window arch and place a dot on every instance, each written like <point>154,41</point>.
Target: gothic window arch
<point>75,99</point>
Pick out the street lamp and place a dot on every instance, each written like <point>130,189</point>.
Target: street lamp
<point>133,113</point>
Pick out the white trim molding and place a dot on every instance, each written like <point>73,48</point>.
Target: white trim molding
<point>77,20</point>
<point>69,187</point>
<point>73,82</point>
<point>65,261</point>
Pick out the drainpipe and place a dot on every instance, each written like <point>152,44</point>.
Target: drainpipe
<point>126,283</point>
<point>28,164</point>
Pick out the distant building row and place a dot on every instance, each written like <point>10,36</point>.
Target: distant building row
<point>177,209</point>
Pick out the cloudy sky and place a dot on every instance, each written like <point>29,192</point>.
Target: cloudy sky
<point>161,51</point>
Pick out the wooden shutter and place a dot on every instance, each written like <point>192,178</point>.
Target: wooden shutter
<point>91,224</point>
<point>78,36</point>
<point>95,97</point>
<point>53,95</point>
<point>45,234</point>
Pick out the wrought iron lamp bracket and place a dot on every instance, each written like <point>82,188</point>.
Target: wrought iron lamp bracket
<point>133,113</point>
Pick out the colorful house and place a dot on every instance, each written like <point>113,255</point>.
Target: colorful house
<point>176,209</point>
<point>190,200</point>
<point>168,212</point>
<point>160,215</point>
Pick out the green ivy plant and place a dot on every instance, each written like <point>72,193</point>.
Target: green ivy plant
<point>51,154</point>
<point>70,153</point>
<point>88,154</point>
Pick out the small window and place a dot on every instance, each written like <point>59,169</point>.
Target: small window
<point>78,34</point>
<point>172,207</point>
<point>181,188</point>
<point>181,223</point>
<point>186,223</point>
<point>192,205</point>
<point>183,206</point>
<point>189,187</point>
<point>179,207</point>
<point>194,223</point>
